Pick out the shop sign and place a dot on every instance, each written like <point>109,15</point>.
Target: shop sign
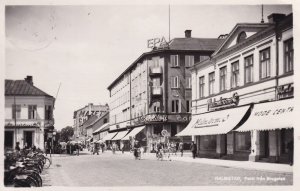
<point>223,102</point>
<point>285,91</point>
<point>24,124</point>
<point>153,118</point>
<point>278,111</point>
<point>157,43</point>
<point>211,122</point>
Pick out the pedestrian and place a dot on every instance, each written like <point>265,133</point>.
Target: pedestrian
<point>122,148</point>
<point>180,146</point>
<point>290,147</point>
<point>102,147</point>
<point>176,148</point>
<point>17,147</point>
<point>77,149</point>
<point>96,148</point>
<point>114,147</point>
<point>194,149</point>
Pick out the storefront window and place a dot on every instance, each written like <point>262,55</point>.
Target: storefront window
<point>157,129</point>
<point>208,142</point>
<point>242,141</point>
<point>287,135</point>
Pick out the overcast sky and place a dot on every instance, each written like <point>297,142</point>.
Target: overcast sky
<point>86,47</point>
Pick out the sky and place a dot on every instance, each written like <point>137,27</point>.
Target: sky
<point>85,48</point>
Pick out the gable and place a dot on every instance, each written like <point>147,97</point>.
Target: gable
<point>240,31</point>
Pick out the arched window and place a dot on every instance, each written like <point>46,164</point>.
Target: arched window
<point>241,37</point>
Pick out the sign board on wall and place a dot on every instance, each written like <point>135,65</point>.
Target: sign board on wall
<point>157,43</point>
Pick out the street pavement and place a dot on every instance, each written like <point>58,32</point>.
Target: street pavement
<point>123,170</point>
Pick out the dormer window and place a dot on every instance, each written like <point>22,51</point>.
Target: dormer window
<point>241,37</point>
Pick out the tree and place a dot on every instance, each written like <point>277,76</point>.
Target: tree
<point>66,133</point>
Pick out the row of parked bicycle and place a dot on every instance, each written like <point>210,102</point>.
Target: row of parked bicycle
<point>23,168</point>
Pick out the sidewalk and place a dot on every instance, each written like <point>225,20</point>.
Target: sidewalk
<point>262,166</point>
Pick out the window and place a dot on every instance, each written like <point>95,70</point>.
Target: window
<point>189,61</point>
<point>156,82</point>
<point>264,57</point>
<point>48,112</point>
<point>175,106</point>
<point>32,112</point>
<point>211,82</point>
<point>235,74</point>
<point>188,82</point>
<point>201,87</point>
<point>249,69</point>
<point>174,60</point>
<point>188,106</point>
<point>223,73</point>
<point>241,37</point>
<point>16,111</point>
<point>157,129</point>
<point>243,141</point>
<point>156,107</point>
<point>208,142</point>
<point>288,56</point>
<point>174,82</point>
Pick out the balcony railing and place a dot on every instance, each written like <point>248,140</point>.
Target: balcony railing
<point>156,71</point>
<point>156,90</point>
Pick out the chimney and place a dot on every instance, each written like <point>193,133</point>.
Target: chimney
<point>275,17</point>
<point>28,79</point>
<point>188,33</point>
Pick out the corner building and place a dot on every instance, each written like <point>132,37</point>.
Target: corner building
<point>154,92</point>
<point>242,100</point>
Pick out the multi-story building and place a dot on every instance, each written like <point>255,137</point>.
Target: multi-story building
<point>155,90</point>
<point>242,96</point>
<point>83,114</point>
<point>28,114</point>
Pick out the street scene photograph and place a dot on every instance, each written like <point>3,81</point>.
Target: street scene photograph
<point>149,96</point>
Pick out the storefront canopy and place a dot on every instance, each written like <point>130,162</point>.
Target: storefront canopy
<point>270,116</point>
<point>134,132</point>
<point>213,123</point>
<point>100,128</point>
<point>120,135</point>
<point>109,136</point>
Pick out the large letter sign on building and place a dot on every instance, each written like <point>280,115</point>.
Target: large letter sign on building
<point>157,42</point>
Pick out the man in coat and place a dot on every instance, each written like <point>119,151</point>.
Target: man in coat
<point>194,149</point>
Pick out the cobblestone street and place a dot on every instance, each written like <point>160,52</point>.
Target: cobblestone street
<point>122,170</point>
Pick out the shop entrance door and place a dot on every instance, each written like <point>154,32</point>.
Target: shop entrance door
<point>9,139</point>
<point>28,138</point>
<point>266,144</point>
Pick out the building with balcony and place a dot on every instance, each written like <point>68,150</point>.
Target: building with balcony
<point>28,114</point>
<point>154,92</point>
<point>242,97</point>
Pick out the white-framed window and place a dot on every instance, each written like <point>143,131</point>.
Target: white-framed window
<point>223,74</point>
<point>188,82</point>
<point>211,81</point>
<point>189,60</point>
<point>235,74</point>
<point>174,60</point>
<point>264,58</point>
<point>31,111</point>
<point>174,82</point>
<point>16,111</point>
<point>201,87</point>
<point>175,106</point>
<point>288,55</point>
<point>249,69</point>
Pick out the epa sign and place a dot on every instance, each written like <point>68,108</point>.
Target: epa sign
<point>157,42</point>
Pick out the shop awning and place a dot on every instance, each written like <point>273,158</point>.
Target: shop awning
<point>270,116</point>
<point>109,136</point>
<point>213,123</point>
<point>120,135</point>
<point>134,132</point>
<point>100,128</point>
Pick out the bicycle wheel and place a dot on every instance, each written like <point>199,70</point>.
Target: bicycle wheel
<point>33,182</point>
<point>47,163</point>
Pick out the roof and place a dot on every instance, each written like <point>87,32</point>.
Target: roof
<point>178,44</point>
<point>22,88</point>
<point>199,44</point>
<point>93,119</point>
<point>103,127</point>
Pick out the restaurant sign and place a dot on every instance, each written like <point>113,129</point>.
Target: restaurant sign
<point>161,118</point>
<point>153,118</point>
<point>210,122</point>
<point>23,124</point>
<point>223,103</point>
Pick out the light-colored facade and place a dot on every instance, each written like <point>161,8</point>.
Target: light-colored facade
<point>28,114</point>
<point>155,91</point>
<point>83,114</point>
<point>254,65</point>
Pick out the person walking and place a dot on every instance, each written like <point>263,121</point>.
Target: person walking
<point>180,147</point>
<point>114,147</point>
<point>77,149</point>
<point>194,149</point>
<point>290,147</point>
